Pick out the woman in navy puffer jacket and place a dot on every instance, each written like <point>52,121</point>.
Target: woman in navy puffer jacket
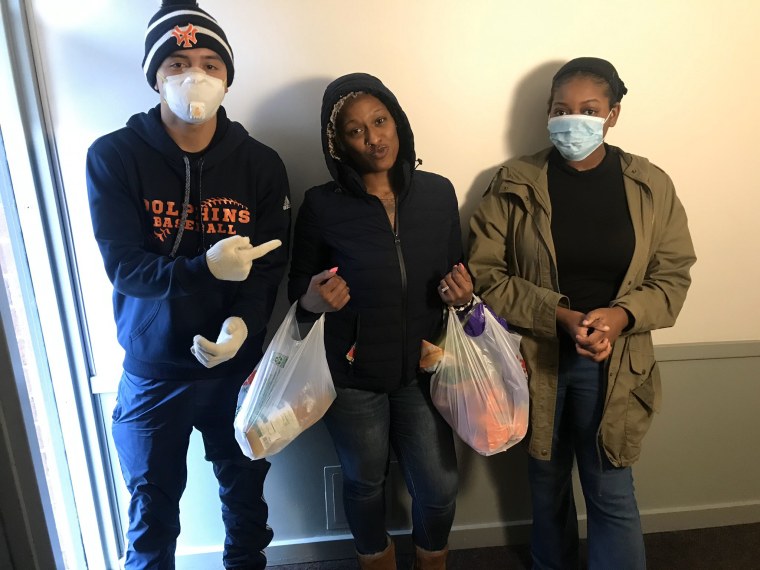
<point>378,249</point>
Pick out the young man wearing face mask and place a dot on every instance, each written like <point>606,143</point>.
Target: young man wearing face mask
<point>192,218</point>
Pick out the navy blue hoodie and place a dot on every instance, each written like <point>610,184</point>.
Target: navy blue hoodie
<point>392,275</point>
<point>164,293</point>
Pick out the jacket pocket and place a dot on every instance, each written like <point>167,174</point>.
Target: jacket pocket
<point>144,325</point>
<point>165,331</point>
<point>134,317</point>
<point>353,350</point>
<point>341,340</point>
<point>643,402</point>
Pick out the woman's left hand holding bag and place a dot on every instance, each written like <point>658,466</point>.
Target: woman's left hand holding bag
<point>455,289</point>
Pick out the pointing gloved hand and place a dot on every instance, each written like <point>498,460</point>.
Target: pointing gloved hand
<point>231,338</point>
<point>231,259</point>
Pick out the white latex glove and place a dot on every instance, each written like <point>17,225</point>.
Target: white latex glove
<point>231,338</point>
<point>231,258</point>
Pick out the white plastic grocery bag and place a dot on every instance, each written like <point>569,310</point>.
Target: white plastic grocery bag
<point>480,387</point>
<point>288,391</point>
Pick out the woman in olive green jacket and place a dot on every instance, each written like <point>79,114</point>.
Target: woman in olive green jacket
<point>584,249</point>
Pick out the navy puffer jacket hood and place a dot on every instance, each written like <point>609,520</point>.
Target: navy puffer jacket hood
<point>343,173</point>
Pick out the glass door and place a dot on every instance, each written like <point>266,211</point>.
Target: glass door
<point>57,99</point>
<point>45,307</point>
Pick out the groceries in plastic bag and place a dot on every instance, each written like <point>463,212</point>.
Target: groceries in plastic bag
<point>479,385</point>
<point>475,322</point>
<point>288,391</point>
<point>431,356</point>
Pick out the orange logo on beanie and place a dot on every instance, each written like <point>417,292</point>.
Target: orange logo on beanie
<point>185,36</point>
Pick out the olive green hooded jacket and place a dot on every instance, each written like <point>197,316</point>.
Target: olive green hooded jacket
<point>513,261</point>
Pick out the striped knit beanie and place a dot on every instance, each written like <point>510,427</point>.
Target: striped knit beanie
<point>181,24</point>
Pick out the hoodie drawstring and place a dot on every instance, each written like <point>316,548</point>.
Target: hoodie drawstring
<point>186,207</point>
<point>200,204</point>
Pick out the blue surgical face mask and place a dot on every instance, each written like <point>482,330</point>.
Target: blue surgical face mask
<point>576,136</point>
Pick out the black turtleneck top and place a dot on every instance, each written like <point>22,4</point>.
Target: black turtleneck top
<point>592,230</point>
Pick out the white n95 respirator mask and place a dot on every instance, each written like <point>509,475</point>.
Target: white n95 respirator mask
<point>193,96</point>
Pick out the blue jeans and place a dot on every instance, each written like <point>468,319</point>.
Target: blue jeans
<point>152,422</point>
<point>363,426</point>
<point>615,539</point>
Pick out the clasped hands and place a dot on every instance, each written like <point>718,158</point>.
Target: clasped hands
<point>595,332</point>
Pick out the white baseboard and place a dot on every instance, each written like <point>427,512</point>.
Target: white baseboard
<point>339,547</point>
<point>702,516</point>
<point>518,532</point>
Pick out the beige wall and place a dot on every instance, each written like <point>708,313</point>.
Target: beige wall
<point>473,77</point>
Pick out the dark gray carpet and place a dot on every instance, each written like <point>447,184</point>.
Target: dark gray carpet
<point>720,548</point>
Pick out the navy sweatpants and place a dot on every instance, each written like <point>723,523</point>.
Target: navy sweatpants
<point>152,423</point>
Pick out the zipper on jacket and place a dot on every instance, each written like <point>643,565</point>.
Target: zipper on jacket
<point>402,270</point>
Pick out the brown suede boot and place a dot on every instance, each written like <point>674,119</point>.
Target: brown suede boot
<point>430,559</point>
<point>385,560</point>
